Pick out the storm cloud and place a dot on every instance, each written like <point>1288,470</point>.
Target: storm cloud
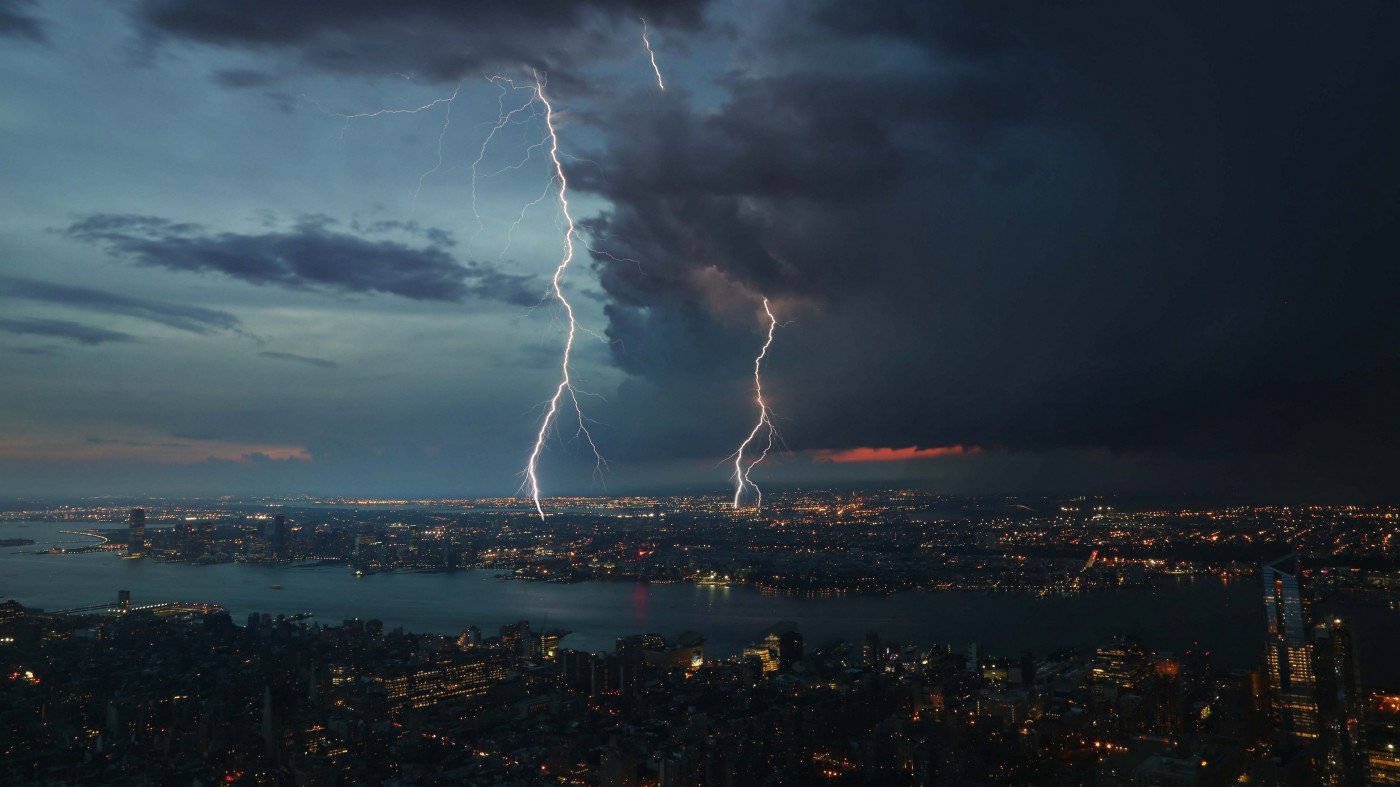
<point>1089,225</point>
<point>1098,245</point>
<point>17,22</point>
<point>432,39</point>
<point>309,255</point>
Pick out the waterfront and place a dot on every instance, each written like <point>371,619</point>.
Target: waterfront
<point>1225,617</point>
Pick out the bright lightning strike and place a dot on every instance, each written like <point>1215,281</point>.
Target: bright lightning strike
<point>565,386</point>
<point>742,480</point>
<point>651,53</point>
<point>551,139</point>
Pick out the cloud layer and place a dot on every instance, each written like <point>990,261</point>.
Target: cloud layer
<point>1115,244</point>
<point>433,39</point>
<point>17,22</point>
<point>1041,226</point>
<point>62,329</point>
<point>195,319</point>
<point>309,255</point>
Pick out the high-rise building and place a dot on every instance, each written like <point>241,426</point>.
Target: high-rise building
<point>515,638</point>
<point>789,648</point>
<point>136,533</point>
<point>1288,653</point>
<point>871,653</point>
<point>1339,702</point>
<point>279,535</point>
<point>549,643</point>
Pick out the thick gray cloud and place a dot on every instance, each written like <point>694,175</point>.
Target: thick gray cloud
<point>309,255</point>
<point>435,39</point>
<point>184,317</point>
<point>62,329</point>
<point>17,22</point>
<point>1061,225</point>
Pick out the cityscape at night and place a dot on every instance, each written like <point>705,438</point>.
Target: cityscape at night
<point>149,682</point>
<point>699,393</point>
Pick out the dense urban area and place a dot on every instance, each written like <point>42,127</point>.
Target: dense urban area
<point>814,543</point>
<point>181,693</point>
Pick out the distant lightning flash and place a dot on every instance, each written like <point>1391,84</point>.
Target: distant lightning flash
<point>742,471</point>
<point>565,382</point>
<point>651,53</point>
<point>503,119</point>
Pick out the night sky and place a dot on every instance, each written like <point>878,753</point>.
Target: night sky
<point>1022,247</point>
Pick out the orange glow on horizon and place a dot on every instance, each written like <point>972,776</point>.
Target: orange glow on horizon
<point>890,454</point>
<point>153,448</point>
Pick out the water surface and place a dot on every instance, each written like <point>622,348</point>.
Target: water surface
<point>1227,618</point>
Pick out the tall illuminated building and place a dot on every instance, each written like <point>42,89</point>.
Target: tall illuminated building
<point>1288,653</point>
<point>1339,702</point>
<point>279,536</point>
<point>136,533</point>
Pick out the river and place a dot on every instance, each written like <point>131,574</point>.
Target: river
<point>1225,617</point>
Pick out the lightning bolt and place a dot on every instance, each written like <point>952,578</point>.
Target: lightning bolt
<point>503,119</point>
<point>442,136</point>
<point>651,53</point>
<point>741,470</point>
<point>450,101</point>
<point>566,386</point>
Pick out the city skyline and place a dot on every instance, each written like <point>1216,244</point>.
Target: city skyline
<point>891,637</point>
<point>1102,249</point>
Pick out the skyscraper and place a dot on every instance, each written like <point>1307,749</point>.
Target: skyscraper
<point>1289,653</point>
<point>1339,702</point>
<point>279,536</point>
<point>789,648</point>
<point>136,535</point>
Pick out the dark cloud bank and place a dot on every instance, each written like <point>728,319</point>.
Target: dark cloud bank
<point>432,39</point>
<point>1152,229</point>
<point>17,21</point>
<point>311,254</point>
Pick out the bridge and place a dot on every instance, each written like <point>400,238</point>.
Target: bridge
<point>161,608</point>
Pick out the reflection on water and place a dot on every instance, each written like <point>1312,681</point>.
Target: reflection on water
<point>1227,619</point>
<point>641,600</point>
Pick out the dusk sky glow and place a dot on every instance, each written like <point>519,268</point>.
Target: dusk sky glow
<point>1022,247</point>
